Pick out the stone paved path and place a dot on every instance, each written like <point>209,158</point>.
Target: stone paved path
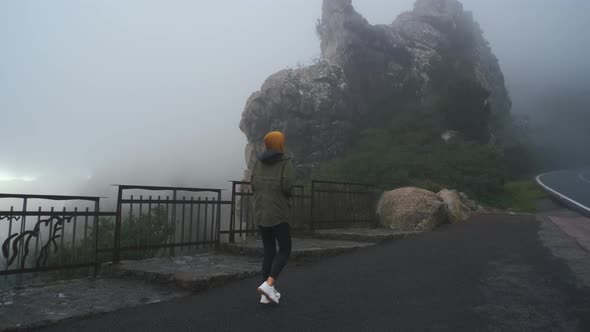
<point>577,227</point>
<point>568,249</point>
<point>567,234</point>
<point>193,273</point>
<point>38,306</point>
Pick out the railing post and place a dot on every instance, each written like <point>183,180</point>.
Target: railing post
<point>21,260</point>
<point>232,218</point>
<point>376,198</point>
<point>173,223</point>
<point>96,227</point>
<point>218,228</point>
<point>312,205</point>
<point>117,243</point>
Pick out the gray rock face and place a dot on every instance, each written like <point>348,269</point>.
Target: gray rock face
<point>319,107</point>
<point>383,58</point>
<point>312,106</point>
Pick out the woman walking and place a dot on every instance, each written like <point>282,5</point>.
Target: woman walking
<point>272,183</point>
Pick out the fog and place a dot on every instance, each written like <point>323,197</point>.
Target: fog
<point>94,93</point>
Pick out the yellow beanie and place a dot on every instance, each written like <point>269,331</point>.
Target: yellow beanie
<point>275,140</point>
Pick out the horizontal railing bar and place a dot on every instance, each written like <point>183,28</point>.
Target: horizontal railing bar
<point>251,194</point>
<point>250,183</point>
<point>58,213</point>
<point>177,201</point>
<point>241,182</point>
<point>243,194</point>
<point>158,246</point>
<point>52,197</point>
<point>342,183</point>
<point>239,232</point>
<point>49,268</point>
<point>325,221</point>
<point>156,188</point>
<point>342,191</point>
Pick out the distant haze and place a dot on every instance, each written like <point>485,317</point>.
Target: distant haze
<point>143,91</point>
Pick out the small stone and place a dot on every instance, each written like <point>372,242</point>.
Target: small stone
<point>8,303</point>
<point>61,295</point>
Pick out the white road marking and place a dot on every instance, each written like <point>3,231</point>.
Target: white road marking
<point>560,195</point>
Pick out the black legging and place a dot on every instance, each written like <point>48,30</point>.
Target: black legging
<point>274,263</point>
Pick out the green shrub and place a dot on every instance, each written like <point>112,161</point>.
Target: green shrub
<point>520,196</point>
<point>404,147</point>
<point>137,231</point>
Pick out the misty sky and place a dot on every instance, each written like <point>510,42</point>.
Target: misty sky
<point>152,91</point>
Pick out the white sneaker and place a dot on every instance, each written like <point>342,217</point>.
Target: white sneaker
<point>269,292</point>
<point>264,300</point>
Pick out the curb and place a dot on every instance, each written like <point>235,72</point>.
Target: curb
<point>299,255</point>
<point>381,238</point>
<point>195,286</point>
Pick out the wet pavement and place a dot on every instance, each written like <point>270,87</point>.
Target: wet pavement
<point>495,273</point>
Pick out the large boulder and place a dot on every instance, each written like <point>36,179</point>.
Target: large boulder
<point>411,209</point>
<point>460,207</point>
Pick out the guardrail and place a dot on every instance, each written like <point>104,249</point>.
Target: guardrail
<point>563,198</point>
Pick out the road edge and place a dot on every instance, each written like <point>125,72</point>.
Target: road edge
<point>561,197</point>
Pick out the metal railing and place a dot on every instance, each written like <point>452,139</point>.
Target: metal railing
<point>43,233</point>
<point>47,233</point>
<point>151,219</point>
<point>341,204</point>
<point>242,223</point>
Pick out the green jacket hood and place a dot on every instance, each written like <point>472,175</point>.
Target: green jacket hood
<point>272,157</point>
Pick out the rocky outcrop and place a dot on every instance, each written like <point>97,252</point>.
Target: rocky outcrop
<point>460,207</point>
<point>383,58</point>
<point>312,106</point>
<point>321,107</point>
<point>411,209</point>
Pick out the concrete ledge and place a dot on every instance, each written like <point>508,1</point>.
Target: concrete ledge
<point>193,273</point>
<point>363,234</point>
<point>303,248</point>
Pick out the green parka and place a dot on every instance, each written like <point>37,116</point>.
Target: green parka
<point>273,179</point>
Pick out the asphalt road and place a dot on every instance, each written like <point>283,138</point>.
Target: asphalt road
<point>574,185</point>
<point>492,274</point>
